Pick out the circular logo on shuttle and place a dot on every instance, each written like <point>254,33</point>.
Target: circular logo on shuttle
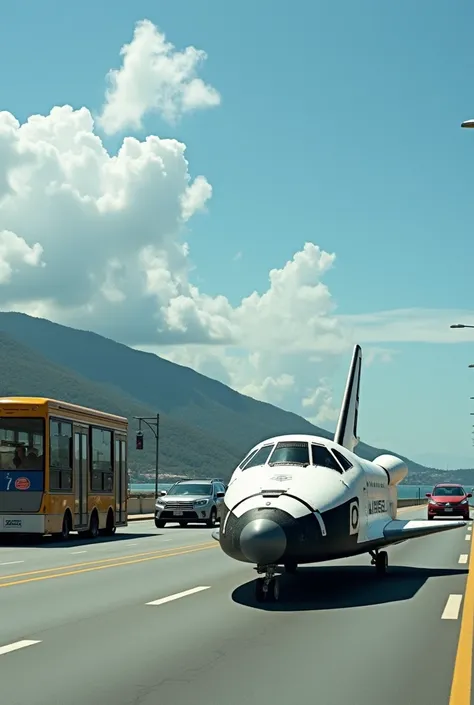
<point>354,517</point>
<point>22,483</point>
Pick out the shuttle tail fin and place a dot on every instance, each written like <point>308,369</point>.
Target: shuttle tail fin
<point>346,430</point>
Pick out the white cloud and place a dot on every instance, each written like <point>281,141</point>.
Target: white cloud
<point>99,240</point>
<point>416,325</point>
<point>154,77</point>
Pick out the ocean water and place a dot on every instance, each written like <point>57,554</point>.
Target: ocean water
<point>404,491</point>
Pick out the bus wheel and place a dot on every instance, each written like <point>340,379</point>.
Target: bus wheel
<point>110,527</point>
<point>66,528</point>
<point>94,526</point>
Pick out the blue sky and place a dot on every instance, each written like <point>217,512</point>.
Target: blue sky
<point>339,125</point>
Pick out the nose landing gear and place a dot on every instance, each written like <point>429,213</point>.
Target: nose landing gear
<point>380,561</point>
<point>267,589</point>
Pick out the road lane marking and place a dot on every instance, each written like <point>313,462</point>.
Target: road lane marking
<point>453,605</point>
<point>75,553</point>
<point>17,645</point>
<point>101,560</point>
<point>12,562</point>
<point>463,558</point>
<point>178,595</point>
<point>462,674</point>
<point>468,537</point>
<point>100,567</point>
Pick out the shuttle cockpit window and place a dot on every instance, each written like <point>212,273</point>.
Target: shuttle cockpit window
<point>247,458</point>
<point>346,464</point>
<point>258,458</point>
<point>324,458</point>
<point>290,452</point>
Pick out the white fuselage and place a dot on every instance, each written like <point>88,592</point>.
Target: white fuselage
<point>324,513</point>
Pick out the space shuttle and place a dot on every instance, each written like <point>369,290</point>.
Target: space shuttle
<point>298,499</point>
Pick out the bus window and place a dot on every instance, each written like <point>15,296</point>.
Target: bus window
<point>60,439</point>
<point>102,479</point>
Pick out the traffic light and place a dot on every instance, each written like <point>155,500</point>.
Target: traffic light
<point>139,440</point>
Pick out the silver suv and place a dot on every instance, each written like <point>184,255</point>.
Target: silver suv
<point>190,502</point>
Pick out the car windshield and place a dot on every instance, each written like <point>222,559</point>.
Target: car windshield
<point>21,444</point>
<point>290,452</point>
<point>448,492</point>
<point>190,488</point>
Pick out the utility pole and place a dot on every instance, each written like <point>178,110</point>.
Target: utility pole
<point>153,424</point>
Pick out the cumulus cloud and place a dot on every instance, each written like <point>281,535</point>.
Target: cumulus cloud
<point>154,77</point>
<point>99,239</point>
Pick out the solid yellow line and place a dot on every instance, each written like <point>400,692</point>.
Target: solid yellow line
<point>103,567</point>
<point>462,676</point>
<point>99,560</point>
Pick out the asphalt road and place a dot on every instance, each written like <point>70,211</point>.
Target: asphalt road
<point>76,626</point>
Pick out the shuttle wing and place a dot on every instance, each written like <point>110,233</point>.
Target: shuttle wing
<point>401,530</point>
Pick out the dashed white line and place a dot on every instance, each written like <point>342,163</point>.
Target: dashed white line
<point>178,595</point>
<point>75,553</point>
<point>468,537</point>
<point>451,611</point>
<point>463,558</point>
<point>17,645</point>
<point>12,562</point>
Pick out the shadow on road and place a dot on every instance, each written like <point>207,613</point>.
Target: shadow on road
<point>322,588</point>
<point>74,540</point>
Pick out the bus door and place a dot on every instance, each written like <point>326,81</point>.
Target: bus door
<point>120,461</point>
<point>81,465</point>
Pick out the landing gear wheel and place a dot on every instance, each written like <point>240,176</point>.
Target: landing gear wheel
<point>259,593</point>
<point>273,590</point>
<point>381,562</point>
<point>211,522</point>
<point>267,589</point>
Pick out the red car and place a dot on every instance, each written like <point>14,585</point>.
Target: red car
<point>448,500</point>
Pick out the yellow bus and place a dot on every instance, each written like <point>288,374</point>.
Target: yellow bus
<point>63,468</point>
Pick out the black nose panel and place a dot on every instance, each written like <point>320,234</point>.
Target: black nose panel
<point>262,541</point>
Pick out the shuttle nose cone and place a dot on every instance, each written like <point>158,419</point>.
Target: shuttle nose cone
<point>262,541</point>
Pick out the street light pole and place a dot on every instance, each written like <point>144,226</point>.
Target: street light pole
<point>153,424</point>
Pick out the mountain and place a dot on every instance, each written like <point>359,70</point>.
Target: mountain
<point>183,450</point>
<point>205,426</point>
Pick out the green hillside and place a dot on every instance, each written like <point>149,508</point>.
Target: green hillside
<point>183,450</point>
<point>206,425</point>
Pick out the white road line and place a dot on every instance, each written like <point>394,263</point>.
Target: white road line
<point>468,537</point>
<point>17,645</point>
<point>12,562</point>
<point>451,611</point>
<point>178,595</point>
<point>74,553</point>
<point>469,528</point>
<point>463,558</point>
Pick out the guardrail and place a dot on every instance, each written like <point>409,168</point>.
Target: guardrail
<point>144,502</point>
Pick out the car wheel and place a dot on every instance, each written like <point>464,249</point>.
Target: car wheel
<point>211,522</point>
